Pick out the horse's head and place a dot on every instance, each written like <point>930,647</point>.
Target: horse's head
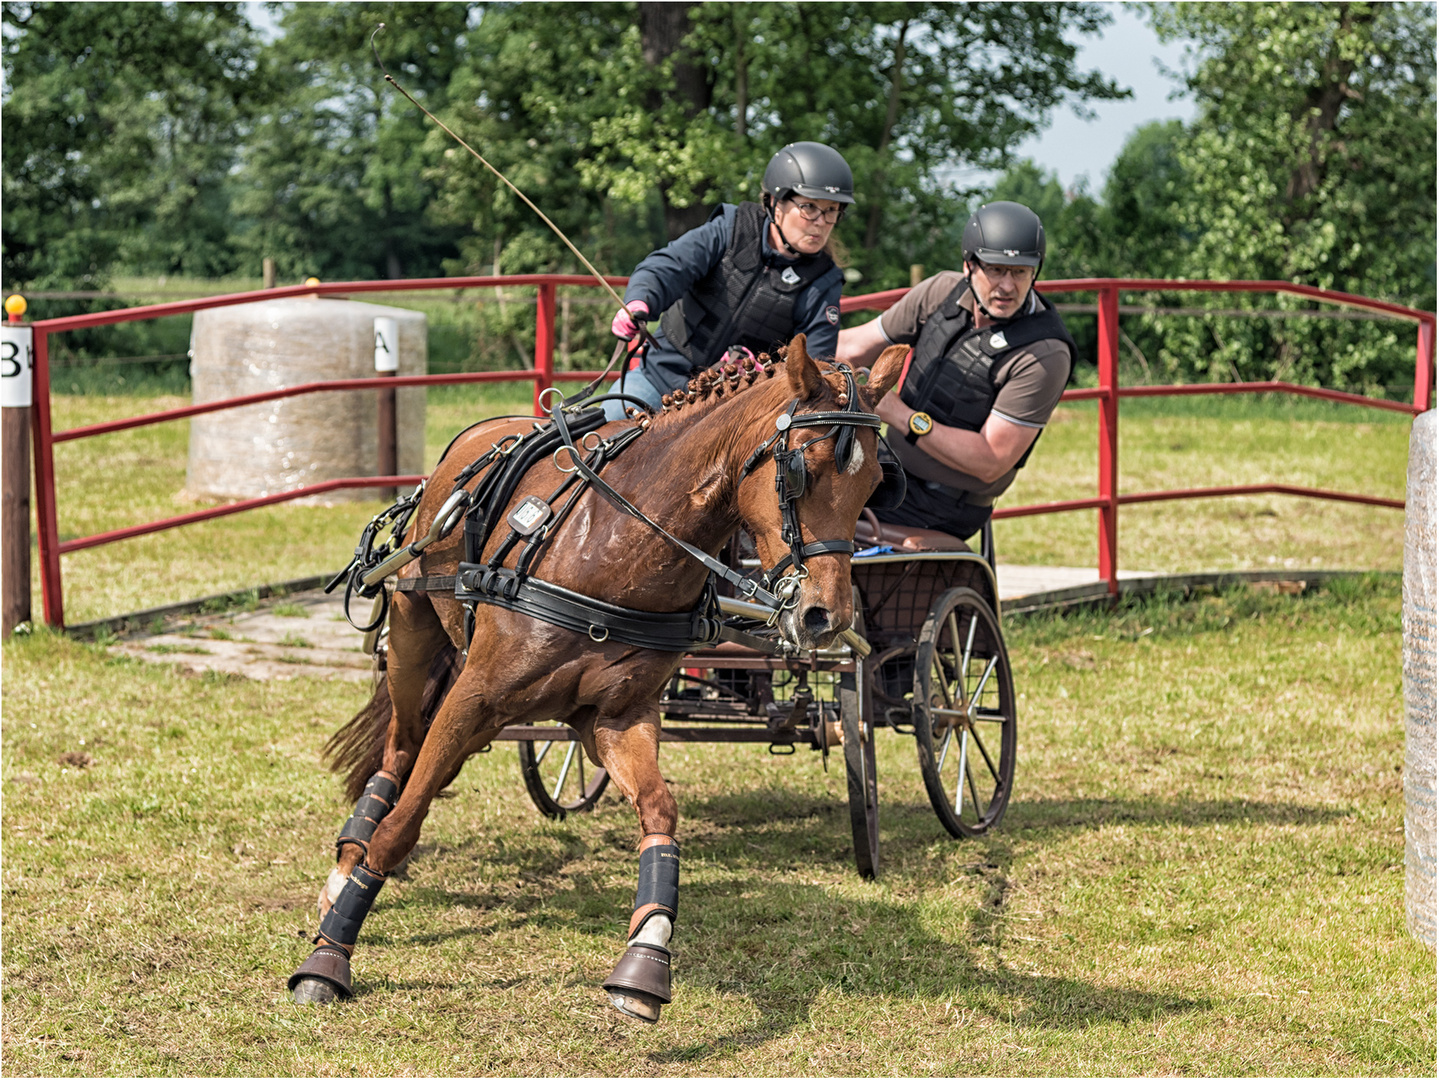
<point>809,485</point>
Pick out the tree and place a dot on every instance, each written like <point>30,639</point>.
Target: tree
<point>121,122</point>
<point>334,176</point>
<point>604,107</point>
<point>1312,160</point>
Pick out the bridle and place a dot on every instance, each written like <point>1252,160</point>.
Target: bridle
<point>778,587</point>
<point>791,480</point>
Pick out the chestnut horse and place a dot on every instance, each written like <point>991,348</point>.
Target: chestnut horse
<point>703,467</point>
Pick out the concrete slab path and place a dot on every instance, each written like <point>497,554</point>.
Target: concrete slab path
<point>305,635</point>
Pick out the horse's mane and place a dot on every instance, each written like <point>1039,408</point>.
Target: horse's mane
<point>712,388</point>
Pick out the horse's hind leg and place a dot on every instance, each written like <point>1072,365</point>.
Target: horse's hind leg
<point>416,639</point>
<point>640,983</point>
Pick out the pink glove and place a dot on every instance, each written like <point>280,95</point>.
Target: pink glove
<point>623,325</point>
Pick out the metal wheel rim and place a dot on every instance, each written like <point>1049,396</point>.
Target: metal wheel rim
<point>965,719</point>
<point>558,776</point>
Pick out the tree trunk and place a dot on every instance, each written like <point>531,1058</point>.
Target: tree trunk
<point>1321,112</point>
<point>891,116</point>
<point>663,27</point>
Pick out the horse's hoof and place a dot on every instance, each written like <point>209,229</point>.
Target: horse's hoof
<point>640,982</point>
<point>313,992</point>
<point>323,977</point>
<point>636,1006</point>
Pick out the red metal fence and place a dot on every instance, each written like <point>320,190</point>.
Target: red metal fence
<point>1107,393</point>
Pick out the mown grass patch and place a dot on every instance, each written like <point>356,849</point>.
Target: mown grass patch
<point>1201,872</point>
<point>1198,443</point>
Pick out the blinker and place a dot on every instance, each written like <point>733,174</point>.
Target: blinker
<point>792,474</point>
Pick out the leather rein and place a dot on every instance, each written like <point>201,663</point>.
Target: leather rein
<point>775,590</point>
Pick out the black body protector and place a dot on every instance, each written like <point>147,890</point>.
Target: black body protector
<point>952,374</point>
<point>741,301</point>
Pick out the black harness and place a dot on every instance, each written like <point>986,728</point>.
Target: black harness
<point>535,521</point>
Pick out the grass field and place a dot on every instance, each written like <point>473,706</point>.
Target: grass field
<point>1200,873</point>
<point>136,476</point>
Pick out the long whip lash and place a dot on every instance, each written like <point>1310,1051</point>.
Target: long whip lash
<point>505,180</point>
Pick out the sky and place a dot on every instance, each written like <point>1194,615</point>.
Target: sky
<point>1129,52</point>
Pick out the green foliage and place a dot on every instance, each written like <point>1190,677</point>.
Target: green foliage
<point>333,178</point>
<point>1312,160</point>
<point>121,127</point>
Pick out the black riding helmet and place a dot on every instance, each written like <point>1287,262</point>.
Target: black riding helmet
<point>1004,234</point>
<point>811,169</point>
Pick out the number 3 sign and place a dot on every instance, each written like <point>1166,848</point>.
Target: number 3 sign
<point>17,357</point>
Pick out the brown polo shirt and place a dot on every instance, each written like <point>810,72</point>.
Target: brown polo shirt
<point>1028,384</point>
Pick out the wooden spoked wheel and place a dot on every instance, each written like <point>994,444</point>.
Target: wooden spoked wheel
<point>559,778</point>
<point>857,725</point>
<point>964,716</point>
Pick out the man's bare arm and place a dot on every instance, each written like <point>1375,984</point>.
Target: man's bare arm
<point>986,454</point>
<point>862,344</point>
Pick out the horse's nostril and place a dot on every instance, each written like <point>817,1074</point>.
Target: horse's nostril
<point>817,620</point>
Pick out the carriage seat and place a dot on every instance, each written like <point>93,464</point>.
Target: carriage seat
<point>869,531</point>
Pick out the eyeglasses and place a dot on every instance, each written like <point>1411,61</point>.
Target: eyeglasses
<point>810,212</point>
<point>1018,273</point>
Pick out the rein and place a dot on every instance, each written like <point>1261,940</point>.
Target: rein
<point>776,592</point>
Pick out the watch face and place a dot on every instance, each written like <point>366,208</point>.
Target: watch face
<point>920,423</point>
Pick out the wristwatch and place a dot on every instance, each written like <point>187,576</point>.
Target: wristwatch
<point>920,423</point>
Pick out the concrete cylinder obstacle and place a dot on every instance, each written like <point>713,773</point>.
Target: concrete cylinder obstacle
<point>1419,682</point>
<point>281,445</point>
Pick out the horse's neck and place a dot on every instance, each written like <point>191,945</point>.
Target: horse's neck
<point>685,475</point>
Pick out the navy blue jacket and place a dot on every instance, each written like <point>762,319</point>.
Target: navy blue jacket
<point>663,276</point>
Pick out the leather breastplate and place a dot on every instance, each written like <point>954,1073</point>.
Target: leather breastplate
<point>741,301</point>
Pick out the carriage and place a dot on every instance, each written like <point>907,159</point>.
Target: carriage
<point>928,659</point>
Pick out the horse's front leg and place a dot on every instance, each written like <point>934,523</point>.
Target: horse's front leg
<point>640,982</point>
<point>451,739</point>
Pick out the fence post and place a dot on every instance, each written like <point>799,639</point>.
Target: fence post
<point>46,523</point>
<point>17,352</point>
<point>387,365</point>
<point>1424,366</point>
<point>544,341</point>
<point>1109,437</point>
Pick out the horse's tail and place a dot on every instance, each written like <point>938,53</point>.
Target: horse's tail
<point>358,748</point>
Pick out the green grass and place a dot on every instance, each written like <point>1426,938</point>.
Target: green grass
<point>1169,444</point>
<point>1200,873</point>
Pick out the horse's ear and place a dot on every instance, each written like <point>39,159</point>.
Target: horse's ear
<point>800,369</point>
<point>884,375</point>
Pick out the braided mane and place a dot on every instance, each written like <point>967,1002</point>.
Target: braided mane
<point>713,387</point>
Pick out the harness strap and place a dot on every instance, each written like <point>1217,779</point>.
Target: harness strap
<point>677,631</point>
<point>746,586</point>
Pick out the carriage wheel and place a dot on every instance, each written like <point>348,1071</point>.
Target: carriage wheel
<point>858,727</point>
<point>964,718</point>
<point>559,778</point>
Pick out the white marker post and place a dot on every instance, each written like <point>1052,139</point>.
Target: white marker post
<point>17,394</point>
<point>387,364</point>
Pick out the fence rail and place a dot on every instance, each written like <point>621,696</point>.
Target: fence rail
<point>543,375</point>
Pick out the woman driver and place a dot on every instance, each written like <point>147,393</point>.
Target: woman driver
<point>750,278</point>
